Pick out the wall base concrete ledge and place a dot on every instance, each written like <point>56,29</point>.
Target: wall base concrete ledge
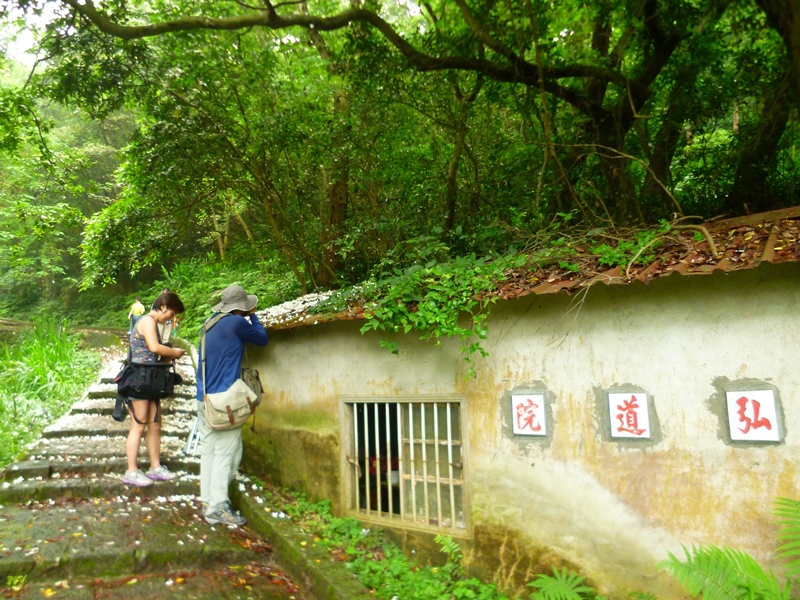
<point>320,577</point>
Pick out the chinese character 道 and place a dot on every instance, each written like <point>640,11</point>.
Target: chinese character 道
<point>629,415</point>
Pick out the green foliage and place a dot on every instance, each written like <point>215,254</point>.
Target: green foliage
<point>419,288</point>
<point>326,148</point>
<point>788,513</point>
<point>58,170</point>
<point>562,585</point>
<point>438,299</point>
<point>16,583</point>
<point>639,248</point>
<point>40,375</point>
<point>15,123</point>
<point>394,576</point>
<point>199,283</point>
<point>124,235</point>
<point>338,534</point>
<point>725,573</point>
<point>37,247</point>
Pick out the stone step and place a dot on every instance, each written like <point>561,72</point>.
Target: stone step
<point>88,465</point>
<point>116,535</point>
<point>70,528</point>
<point>98,446</point>
<point>104,485</point>
<point>82,424</point>
<point>105,406</point>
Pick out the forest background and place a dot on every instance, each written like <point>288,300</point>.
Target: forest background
<point>401,151</point>
<point>317,145</point>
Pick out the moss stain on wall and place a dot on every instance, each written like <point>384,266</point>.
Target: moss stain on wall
<point>502,556</point>
<point>290,417</point>
<point>297,459</point>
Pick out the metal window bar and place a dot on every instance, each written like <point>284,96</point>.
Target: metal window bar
<point>389,483</point>
<point>412,470</point>
<point>424,442</point>
<point>357,456</point>
<point>400,461</point>
<point>377,459</point>
<point>368,502</point>
<point>450,468</point>
<point>436,458</point>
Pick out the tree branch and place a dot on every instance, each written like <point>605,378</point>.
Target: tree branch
<point>519,71</point>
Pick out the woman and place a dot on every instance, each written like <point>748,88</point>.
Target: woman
<point>146,347</point>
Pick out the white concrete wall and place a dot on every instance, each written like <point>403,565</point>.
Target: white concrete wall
<point>612,508</point>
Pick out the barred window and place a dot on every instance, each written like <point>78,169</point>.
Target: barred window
<point>403,461</point>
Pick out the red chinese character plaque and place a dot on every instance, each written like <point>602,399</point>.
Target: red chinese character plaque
<point>752,416</point>
<point>527,413</point>
<point>629,415</point>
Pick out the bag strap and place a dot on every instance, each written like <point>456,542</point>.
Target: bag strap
<point>133,414</point>
<point>253,424</point>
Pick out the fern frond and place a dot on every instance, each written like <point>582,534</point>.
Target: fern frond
<point>563,585</point>
<point>788,513</point>
<point>723,574</point>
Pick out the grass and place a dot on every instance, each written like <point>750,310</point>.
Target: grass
<point>42,373</point>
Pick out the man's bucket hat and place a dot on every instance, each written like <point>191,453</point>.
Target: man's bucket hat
<point>235,298</point>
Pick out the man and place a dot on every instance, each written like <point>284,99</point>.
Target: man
<point>135,313</point>
<point>221,451</point>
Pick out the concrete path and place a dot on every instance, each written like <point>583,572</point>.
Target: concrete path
<point>69,528</point>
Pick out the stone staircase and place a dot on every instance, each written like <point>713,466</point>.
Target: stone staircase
<point>69,527</point>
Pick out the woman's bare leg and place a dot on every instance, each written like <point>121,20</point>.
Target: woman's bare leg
<point>154,436</point>
<point>139,408</point>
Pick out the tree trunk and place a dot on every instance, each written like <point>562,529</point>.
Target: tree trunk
<point>655,199</point>
<point>338,197</point>
<point>750,192</point>
<point>451,194</point>
<point>338,191</point>
<point>784,17</point>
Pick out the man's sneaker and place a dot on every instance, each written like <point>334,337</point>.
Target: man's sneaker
<point>225,516</point>
<point>162,473</point>
<point>136,478</point>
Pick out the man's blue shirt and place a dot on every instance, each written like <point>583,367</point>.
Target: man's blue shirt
<point>224,350</point>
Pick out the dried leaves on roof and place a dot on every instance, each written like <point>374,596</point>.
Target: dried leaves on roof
<point>727,245</point>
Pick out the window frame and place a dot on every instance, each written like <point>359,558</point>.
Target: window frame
<point>349,465</point>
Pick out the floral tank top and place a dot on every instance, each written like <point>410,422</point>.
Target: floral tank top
<point>140,353</point>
